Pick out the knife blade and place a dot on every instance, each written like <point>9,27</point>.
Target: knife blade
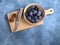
<point>18,19</point>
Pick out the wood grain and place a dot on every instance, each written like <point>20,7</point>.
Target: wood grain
<point>22,24</point>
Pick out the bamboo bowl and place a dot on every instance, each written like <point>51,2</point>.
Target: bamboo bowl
<point>38,6</point>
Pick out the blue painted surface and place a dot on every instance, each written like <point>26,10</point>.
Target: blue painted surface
<point>46,34</point>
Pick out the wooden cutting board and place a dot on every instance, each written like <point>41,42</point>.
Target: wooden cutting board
<point>23,24</point>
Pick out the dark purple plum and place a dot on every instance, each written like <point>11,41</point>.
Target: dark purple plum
<point>36,20</point>
<point>29,18</point>
<point>39,17</point>
<point>35,12</point>
<point>39,13</point>
<point>31,13</point>
<point>33,21</point>
<point>35,17</point>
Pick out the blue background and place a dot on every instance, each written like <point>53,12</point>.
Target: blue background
<point>46,34</point>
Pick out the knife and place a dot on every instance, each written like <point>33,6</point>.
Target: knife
<point>18,19</point>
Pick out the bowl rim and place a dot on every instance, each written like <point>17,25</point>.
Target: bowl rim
<point>38,5</point>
